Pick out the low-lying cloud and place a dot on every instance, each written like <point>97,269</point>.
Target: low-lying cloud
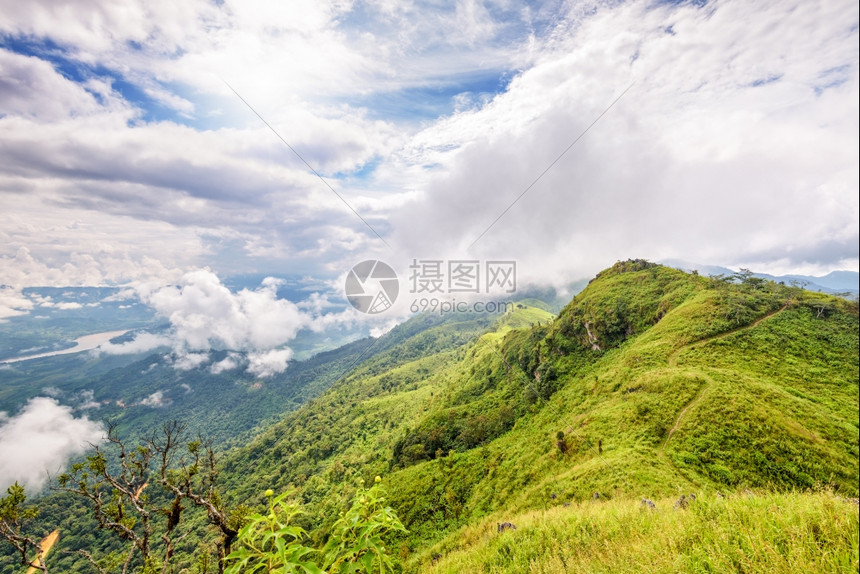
<point>13,303</point>
<point>155,400</point>
<point>41,439</point>
<point>205,315</point>
<point>268,363</point>
<point>141,343</point>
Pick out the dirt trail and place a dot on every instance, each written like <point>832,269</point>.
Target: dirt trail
<point>673,362</point>
<point>673,357</point>
<point>696,400</point>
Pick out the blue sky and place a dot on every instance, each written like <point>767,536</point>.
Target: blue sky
<point>126,159</point>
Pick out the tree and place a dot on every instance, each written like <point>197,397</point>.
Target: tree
<point>15,517</point>
<point>138,494</point>
<point>143,495</point>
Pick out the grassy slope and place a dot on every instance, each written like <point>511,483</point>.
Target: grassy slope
<point>662,382</point>
<point>770,402</point>
<point>347,433</point>
<point>771,533</point>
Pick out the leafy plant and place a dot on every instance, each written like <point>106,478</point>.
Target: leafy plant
<point>275,544</point>
<point>272,543</point>
<point>356,543</point>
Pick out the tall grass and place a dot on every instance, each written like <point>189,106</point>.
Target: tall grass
<point>767,533</point>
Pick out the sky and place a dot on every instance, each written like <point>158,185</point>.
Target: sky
<point>166,146</point>
<point>128,156</point>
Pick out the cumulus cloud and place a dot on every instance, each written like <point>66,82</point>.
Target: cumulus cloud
<point>61,305</point>
<point>24,76</point>
<point>142,343</point>
<point>86,400</point>
<point>90,173</point>
<point>230,362</point>
<point>155,400</point>
<point>185,360</point>
<point>736,145</point>
<point>41,439</point>
<point>105,264</point>
<point>268,363</point>
<point>254,326</point>
<point>206,315</point>
<point>732,146</point>
<point>13,303</point>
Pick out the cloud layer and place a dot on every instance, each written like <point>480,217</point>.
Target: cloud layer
<point>124,158</point>
<point>41,439</point>
<point>732,145</point>
<point>254,325</point>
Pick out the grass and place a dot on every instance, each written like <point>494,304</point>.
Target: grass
<point>767,533</point>
<point>760,393</point>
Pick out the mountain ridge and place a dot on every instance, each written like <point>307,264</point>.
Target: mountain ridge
<point>485,434</point>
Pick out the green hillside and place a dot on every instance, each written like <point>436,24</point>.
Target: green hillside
<point>762,533</point>
<point>651,383</point>
<point>660,382</point>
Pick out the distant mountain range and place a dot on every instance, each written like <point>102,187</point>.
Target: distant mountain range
<point>834,282</point>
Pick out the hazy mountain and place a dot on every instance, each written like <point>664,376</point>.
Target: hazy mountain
<point>833,282</point>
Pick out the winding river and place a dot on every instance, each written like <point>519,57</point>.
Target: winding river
<point>85,343</point>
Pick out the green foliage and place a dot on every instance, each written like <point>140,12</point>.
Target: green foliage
<point>356,542</point>
<point>15,518</point>
<point>275,544</point>
<point>682,389</point>
<point>453,429</point>
<point>649,383</point>
<point>12,506</point>
<point>272,543</point>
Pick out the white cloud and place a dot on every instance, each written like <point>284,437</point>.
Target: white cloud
<point>60,267</point>
<point>734,145</point>
<point>205,315</point>
<point>377,332</point>
<point>186,361</point>
<point>230,362</point>
<point>87,400</point>
<point>41,439</point>
<point>94,178</point>
<point>13,303</point>
<point>155,400</point>
<point>22,76</point>
<point>255,326</point>
<point>269,363</point>
<point>141,343</point>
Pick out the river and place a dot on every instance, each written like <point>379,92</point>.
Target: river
<point>85,343</point>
